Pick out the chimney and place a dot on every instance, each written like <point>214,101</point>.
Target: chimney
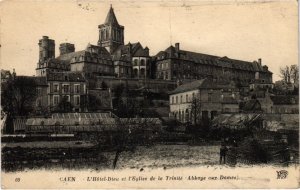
<point>65,48</point>
<point>259,61</point>
<point>147,50</point>
<point>177,47</point>
<point>129,48</point>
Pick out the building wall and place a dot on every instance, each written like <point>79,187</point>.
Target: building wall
<point>123,69</point>
<point>164,69</point>
<point>141,67</point>
<point>285,109</point>
<point>56,91</point>
<point>90,68</point>
<point>178,69</point>
<point>210,100</point>
<point>132,83</point>
<point>42,98</point>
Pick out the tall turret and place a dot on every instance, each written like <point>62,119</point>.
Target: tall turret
<point>111,34</point>
<point>46,49</point>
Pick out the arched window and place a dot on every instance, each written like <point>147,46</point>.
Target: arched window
<point>142,72</point>
<point>142,62</point>
<point>135,72</point>
<point>107,35</point>
<point>187,115</point>
<point>135,62</point>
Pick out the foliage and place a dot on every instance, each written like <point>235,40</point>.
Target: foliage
<point>290,73</point>
<point>64,105</point>
<point>18,96</point>
<point>104,85</point>
<point>93,102</point>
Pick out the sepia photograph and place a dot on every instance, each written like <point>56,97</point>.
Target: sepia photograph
<point>149,94</point>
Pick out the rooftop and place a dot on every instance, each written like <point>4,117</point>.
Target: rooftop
<point>207,59</point>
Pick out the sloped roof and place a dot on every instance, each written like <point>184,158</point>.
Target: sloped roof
<point>234,120</point>
<point>91,52</point>
<point>111,18</point>
<point>93,115</point>
<point>96,124</point>
<point>65,76</point>
<point>252,105</point>
<point>122,53</point>
<point>189,86</point>
<point>57,63</point>
<point>285,100</point>
<point>207,59</point>
<point>40,81</point>
<point>68,56</point>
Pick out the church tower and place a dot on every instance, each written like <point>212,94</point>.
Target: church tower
<point>111,34</point>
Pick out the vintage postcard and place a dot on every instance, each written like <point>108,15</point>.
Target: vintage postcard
<point>149,94</point>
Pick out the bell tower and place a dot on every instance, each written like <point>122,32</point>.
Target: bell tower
<point>111,34</point>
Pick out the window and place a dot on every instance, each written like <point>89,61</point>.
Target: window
<point>77,100</point>
<point>39,91</point>
<point>77,88</point>
<point>135,62</point>
<point>176,99</point>
<point>142,62</point>
<point>55,100</point>
<point>67,98</point>
<point>55,88</point>
<point>187,98</point>
<point>181,99</point>
<point>209,97</point>
<point>142,72</point>
<point>172,99</point>
<point>66,88</point>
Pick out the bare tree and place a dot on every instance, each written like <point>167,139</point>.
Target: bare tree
<point>294,73</point>
<point>131,132</point>
<point>289,73</point>
<point>196,111</point>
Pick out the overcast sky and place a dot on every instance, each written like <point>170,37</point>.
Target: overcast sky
<point>245,31</point>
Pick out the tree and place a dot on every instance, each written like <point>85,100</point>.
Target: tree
<point>290,73</point>
<point>104,85</point>
<point>196,111</point>
<point>132,132</point>
<point>64,105</point>
<point>18,96</point>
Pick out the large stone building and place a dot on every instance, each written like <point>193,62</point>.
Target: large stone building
<point>177,64</point>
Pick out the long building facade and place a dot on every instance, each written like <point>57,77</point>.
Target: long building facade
<point>177,64</point>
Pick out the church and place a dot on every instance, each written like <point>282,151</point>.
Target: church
<point>111,57</point>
